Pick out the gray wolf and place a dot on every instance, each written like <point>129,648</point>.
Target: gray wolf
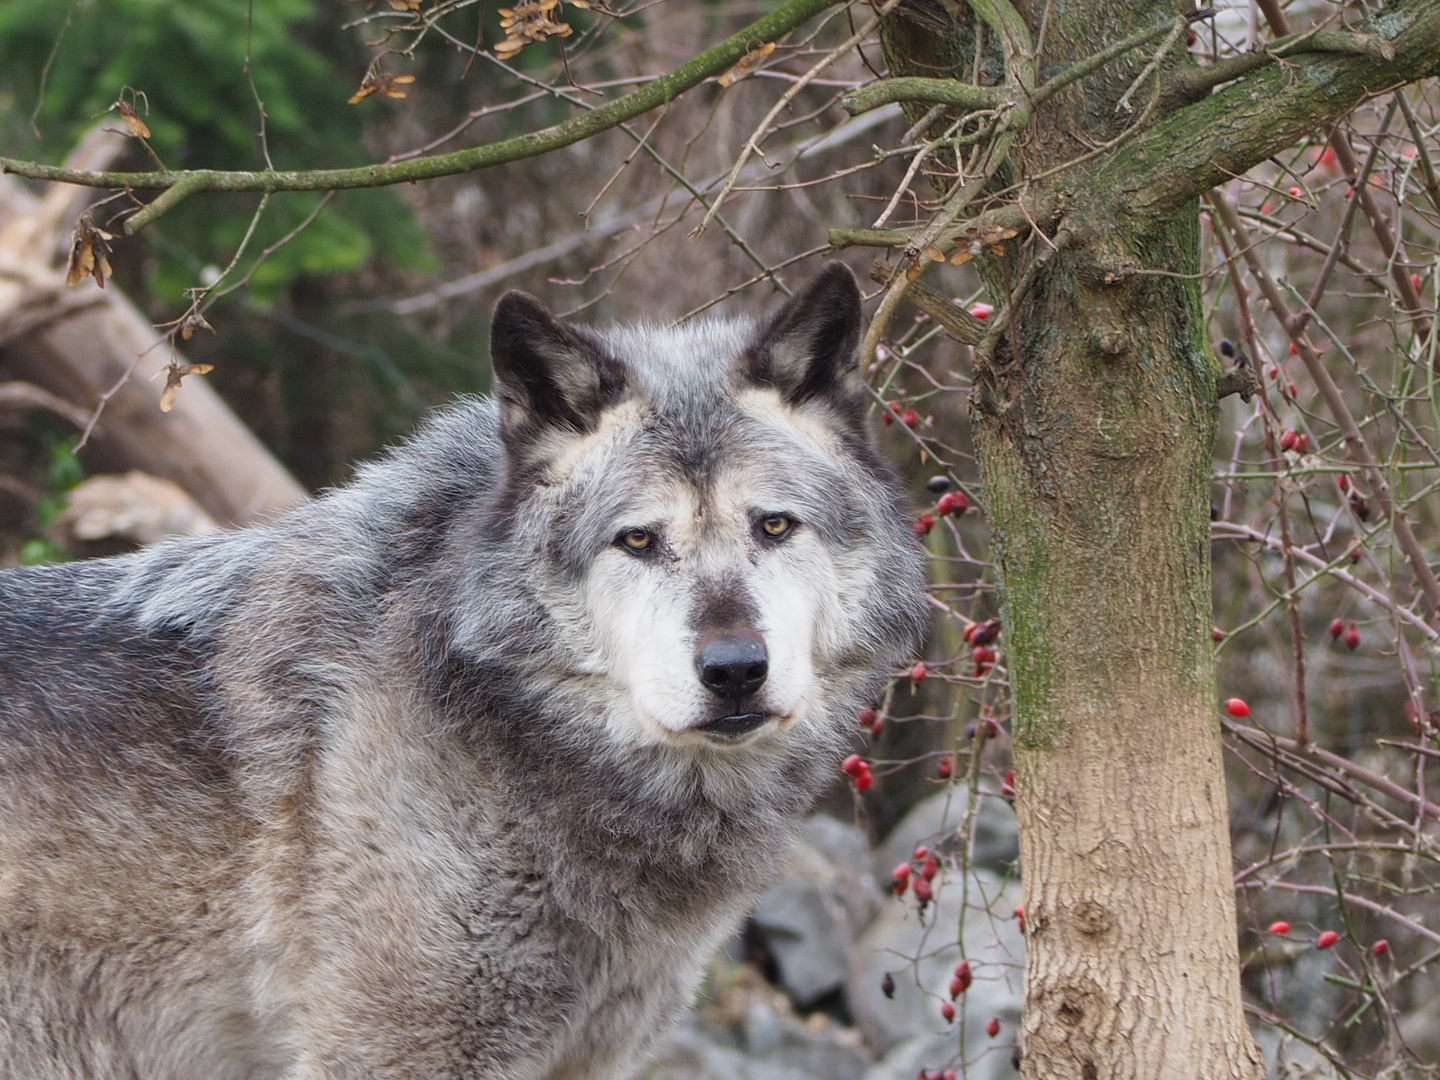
<point>465,769</point>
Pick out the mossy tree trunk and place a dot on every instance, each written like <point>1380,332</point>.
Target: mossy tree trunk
<point>1093,421</point>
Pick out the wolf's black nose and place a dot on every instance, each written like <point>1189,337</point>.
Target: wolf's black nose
<point>733,666</point>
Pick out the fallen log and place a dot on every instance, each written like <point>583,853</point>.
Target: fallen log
<point>90,347</point>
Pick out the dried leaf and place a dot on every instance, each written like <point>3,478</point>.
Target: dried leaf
<point>173,374</point>
<point>934,254</point>
<point>746,64</point>
<point>89,252</point>
<point>132,119</point>
<point>379,83</point>
<point>960,258</point>
<point>192,322</point>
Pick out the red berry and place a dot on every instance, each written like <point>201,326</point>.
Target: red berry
<point>962,980</point>
<point>1007,786</point>
<point>1352,636</point>
<point>922,890</point>
<point>1272,371</point>
<point>866,717</point>
<point>1337,627</point>
<point>1342,482</point>
<point>1415,282</point>
<point>1291,387</point>
<point>930,868</point>
<point>982,310</point>
<point>910,418</point>
<point>952,502</point>
<point>1020,916</point>
<point>993,1027</point>
<point>1279,926</point>
<point>919,673</point>
<point>1236,707</point>
<point>863,781</point>
<point>1294,193</point>
<point>948,1074</point>
<point>947,1011</point>
<point>853,765</point>
<point>901,872</point>
<point>944,767</point>
<point>1325,940</point>
<point>886,417</point>
<point>1216,634</point>
<point>962,971</point>
<point>1302,443</point>
<point>923,524</point>
<point>1293,350</point>
<point>1381,947</point>
<point>921,853</point>
<point>1287,439</point>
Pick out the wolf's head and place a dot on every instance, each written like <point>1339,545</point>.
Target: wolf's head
<point>705,551</point>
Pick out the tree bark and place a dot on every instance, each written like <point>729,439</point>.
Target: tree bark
<point>1094,435</point>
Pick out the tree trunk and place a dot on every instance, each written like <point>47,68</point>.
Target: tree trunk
<point>1094,441</point>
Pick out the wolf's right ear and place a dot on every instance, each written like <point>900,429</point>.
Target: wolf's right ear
<point>548,376</point>
<point>808,350</point>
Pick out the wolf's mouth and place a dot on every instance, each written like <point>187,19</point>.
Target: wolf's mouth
<point>730,728</point>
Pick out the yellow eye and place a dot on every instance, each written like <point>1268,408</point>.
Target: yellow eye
<point>637,539</point>
<point>776,526</point>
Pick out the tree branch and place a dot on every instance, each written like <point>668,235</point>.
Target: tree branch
<point>1208,143</point>
<point>653,94</point>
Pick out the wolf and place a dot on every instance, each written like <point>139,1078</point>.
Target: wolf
<point>467,768</point>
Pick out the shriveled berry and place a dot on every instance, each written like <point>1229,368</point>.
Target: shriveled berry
<point>923,892</point>
<point>1352,637</point>
<point>1381,947</point>
<point>1325,940</point>
<point>937,483</point>
<point>1237,707</point>
<point>919,673</point>
<point>947,1011</point>
<point>1337,627</point>
<point>887,985</point>
<point>923,524</point>
<point>993,1027</point>
<point>1279,926</point>
<point>910,418</point>
<point>945,767</point>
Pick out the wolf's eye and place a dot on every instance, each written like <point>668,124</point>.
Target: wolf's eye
<point>776,526</point>
<point>637,540</point>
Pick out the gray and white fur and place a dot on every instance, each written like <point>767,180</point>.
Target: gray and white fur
<point>465,769</point>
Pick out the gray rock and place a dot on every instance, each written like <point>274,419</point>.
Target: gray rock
<point>920,956</point>
<point>934,822</point>
<point>751,1033</point>
<point>811,918</point>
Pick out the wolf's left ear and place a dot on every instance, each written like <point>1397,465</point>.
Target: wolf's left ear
<point>548,376</point>
<point>808,349</point>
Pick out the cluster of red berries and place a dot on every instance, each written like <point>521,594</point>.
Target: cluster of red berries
<point>1351,633</point>
<point>922,867</point>
<point>1327,938</point>
<point>1296,441</point>
<point>950,502</point>
<point>907,416</point>
<point>980,635</point>
<point>858,769</point>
